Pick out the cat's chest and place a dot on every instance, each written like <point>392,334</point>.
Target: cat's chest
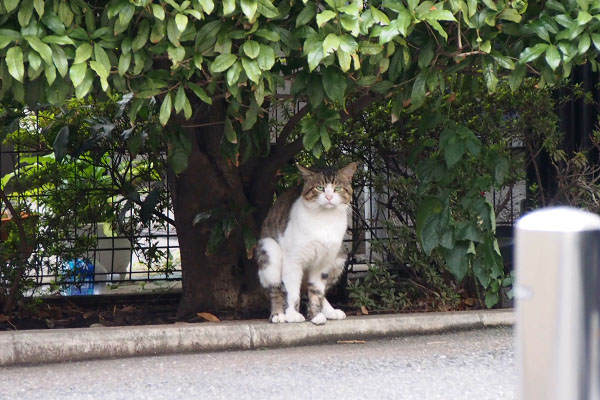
<point>308,226</point>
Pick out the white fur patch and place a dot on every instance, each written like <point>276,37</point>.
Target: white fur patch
<point>319,319</point>
<point>293,316</point>
<point>270,274</point>
<point>330,312</point>
<point>278,318</point>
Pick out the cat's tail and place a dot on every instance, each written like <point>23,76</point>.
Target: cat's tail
<point>269,259</point>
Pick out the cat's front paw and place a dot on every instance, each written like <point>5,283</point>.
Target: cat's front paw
<point>293,316</point>
<point>278,318</point>
<point>319,319</point>
<point>335,314</point>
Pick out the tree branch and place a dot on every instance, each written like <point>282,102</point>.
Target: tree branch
<point>12,293</point>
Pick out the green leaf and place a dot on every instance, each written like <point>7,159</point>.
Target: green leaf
<point>584,17</point>
<point>172,32</point>
<point>181,21</point>
<point>306,15</point>
<point>584,43</point>
<point>77,73</point>
<point>532,53</point>
<point>230,133</point>
<point>325,139</point>
<point>379,16</point>
<point>86,85</point>
<point>315,91</point>
<point>60,60</point>
<point>25,12</point>
<point>457,260</point>
<point>10,5</point>
<point>201,93</point>
<point>428,212</point>
<point>180,99</point>
<point>252,70</point>
<point>52,21</point>
<point>311,133</point>
<point>452,146</point>
<point>207,5</point>
<point>124,63</point>
<point>417,96</point>
<point>516,77</point>
<point>55,39</point>
<point>510,14</point>
<point>228,7</point>
<point>596,40</point>
<point>233,73</point>
<point>39,7</point>
<point>334,84</point>
<point>370,48</point>
<point>490,4</point>
<point>344,59</point>
<point>249,8</point>
<point>331,43</point>
<point>61,143</point>
<point>101,57</point>
<point>403,22</point>
<point>158,11</point>
<point>553,57</point>
<point>491,299</point>
<point>165,109</point>
<point>251,48</point>
<point>14,62</point>
<point>325,16</point>
<point>266,57</point>
<point>141,38</point>
<point>222,62</point>
<point>268,34</point>
<point>42,48</point>
<point>267,9</point>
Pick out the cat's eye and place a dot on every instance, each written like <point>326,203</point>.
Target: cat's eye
<point>320,188</point>
<point>337,188</point>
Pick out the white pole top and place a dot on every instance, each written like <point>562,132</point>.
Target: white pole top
<point>559,219</point>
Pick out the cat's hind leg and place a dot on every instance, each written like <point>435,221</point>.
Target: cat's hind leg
<point>330,312</point>
<point>269,257</point>
<point>277,295</point>
<point>331,277</point>
<point>292,280</point>
<point>316,295</point>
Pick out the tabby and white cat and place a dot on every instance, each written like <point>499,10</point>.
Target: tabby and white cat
<point>301,240</point>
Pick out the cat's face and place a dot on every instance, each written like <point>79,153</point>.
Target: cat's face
<point>328,188</point>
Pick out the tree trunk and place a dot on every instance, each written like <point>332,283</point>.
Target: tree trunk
<point>226,280</point>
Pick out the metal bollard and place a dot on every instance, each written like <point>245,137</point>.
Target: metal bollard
<point>557,258</point>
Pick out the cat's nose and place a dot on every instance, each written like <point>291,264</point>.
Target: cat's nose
<point>329,197</point>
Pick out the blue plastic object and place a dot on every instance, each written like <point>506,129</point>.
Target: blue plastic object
<point>79,277</point>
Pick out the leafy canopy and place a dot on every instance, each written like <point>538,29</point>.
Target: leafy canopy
<point>180,54</point>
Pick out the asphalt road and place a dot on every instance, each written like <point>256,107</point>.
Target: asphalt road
<point>473,365</point>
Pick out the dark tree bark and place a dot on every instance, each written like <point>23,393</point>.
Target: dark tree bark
<point>225,280</point>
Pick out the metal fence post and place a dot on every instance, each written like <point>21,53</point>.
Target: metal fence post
<point>558,296</point>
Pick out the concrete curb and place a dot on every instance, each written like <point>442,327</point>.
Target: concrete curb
<point>61,345</point>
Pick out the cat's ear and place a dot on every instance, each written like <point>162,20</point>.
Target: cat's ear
<point>305,171</point>
<point>348,171</point>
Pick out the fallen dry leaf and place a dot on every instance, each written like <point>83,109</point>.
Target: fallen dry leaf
<point>208,316</point>
<point>364,310</point>
<point>470,302</point>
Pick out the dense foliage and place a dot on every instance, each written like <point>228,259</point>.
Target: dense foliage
<point>214,70</point>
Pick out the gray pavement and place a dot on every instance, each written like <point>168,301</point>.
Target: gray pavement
<point>60,345</point>
<point>473,364</point>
